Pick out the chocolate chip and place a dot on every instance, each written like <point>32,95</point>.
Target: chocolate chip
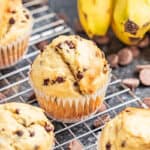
<point>102,40</point>
<point>19,132</point>
<point>42,45</point>
<point>105,69</point>
<point>84,69</point>
<point>79,75</point>
<point>46,81</point>
<point>145,77</point>
<point>125,56</point>
<point>146,101</point>
<point>31,133</point>
<point>131,83</point>
<point>75,83</point>
<point>75,145</point>
<point>144,42</point>
<point>58,46</point>
<point>11,21</point>
<point>53,82</point>
<point>108,146</point>
<point>113,60</point>
<point>140,67</point>
<point>27,16</point>
<point>60,79</point>
<point>17,111</point>
<point>23,21</point>
<point>123,144</point>
<point>2,96</point>
<point>48,128</point>
<point>131,27</point>
<point>135,51</point>
<point>13,11</point>
<point>70,44</point>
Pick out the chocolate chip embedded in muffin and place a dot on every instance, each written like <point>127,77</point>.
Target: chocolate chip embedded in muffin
<point>48,128</point>
<point>11,21</point>
<point>46,81</point>
<point>27,16</point>
<point>60,79</point>
<point>31,133</point>
<point>19,132</point>
<point>17,111</point>
<point>79,75</point>
<point>108,146</point>
<point>70,44</point>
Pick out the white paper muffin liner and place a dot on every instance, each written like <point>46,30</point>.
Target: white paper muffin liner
<point>83,100</point>
<point>13,52</point>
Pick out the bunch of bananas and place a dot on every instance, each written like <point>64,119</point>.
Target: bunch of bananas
<point>129,19</point>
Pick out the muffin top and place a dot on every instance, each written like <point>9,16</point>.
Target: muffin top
<point>128,131</point>
<point>16,22</point>
<point>24,127</point>
<point>69,67</point>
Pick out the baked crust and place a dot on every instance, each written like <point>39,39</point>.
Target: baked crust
<point>24,127</point>
<point>128,131</point>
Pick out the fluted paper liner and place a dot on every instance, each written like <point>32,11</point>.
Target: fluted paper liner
<point>14,51</point>
<point>81,101</point>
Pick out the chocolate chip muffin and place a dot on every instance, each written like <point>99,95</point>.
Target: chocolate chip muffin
<point>70,78</point>
<point>16,23</point>
<point>24,127</point>
<point>127,131</point>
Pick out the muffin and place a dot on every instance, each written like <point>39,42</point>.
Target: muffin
<point>16,23</point>
<point>70,78</point>
<point>128,131</point>
<point>24,127</point>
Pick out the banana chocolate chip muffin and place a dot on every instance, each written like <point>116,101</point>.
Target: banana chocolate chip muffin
<point>70,78</point>
<point>24,127</point>
<point>130,130</point>
<point>16,24</point>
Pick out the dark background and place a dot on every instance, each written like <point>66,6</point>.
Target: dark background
<point>69,8</point>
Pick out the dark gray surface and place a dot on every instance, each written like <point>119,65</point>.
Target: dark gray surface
<point>70,9</point>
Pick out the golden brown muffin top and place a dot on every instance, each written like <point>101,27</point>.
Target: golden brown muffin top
<point>16,22</point>
<point>24,127</point>
<point>69,67</point>
<point>127,131</point>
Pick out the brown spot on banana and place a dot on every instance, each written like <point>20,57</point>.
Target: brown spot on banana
<point>131,27</point>
<point>134,39</point>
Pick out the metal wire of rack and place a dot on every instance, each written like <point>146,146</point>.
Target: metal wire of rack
<point>14,82</point>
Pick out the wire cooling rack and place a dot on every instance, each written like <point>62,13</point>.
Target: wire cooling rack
<point>14,82</point>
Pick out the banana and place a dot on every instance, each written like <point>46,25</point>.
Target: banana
<point>95,16</point>
<point>131,20</point>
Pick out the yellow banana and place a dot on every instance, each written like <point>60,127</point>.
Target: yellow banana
<point>95,16</point>
<point>131,20</point>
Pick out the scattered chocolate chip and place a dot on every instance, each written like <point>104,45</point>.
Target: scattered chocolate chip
<point>123,144</point>
<point>108,146</point>
<point>131,27</point>
<point>19,132</point>
<point>79,75</point>
<point>2,129</point>
<point>31,133</point>
<point>102,40</point>
<point>48,127</point>
<point>11,21</point>
<point>75,83</point>
<point>17,111</point>
<point>113,60</point>
<point>46,81</point>
<point>105,69</point>
<point>135,51</point>
<point>2,96</point>
<point>60,79</point>
<point>131,83</point>
<point>125,56</point>
<point>53,82</point>
<point>102,108</point>
<point>101,121</point>
<point>140,67</point>
<point>70,44</point>
<point>146,101</point>
<point>127,110</point>
<point>42,45</point>
<point>23,21</point>
<point>84,69</point>
<point>77,26</point>
<point>58,46</point>
<point>75,145</point>
<point>145,77</point>
<point>27,16</point>
<point>144,42</point>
